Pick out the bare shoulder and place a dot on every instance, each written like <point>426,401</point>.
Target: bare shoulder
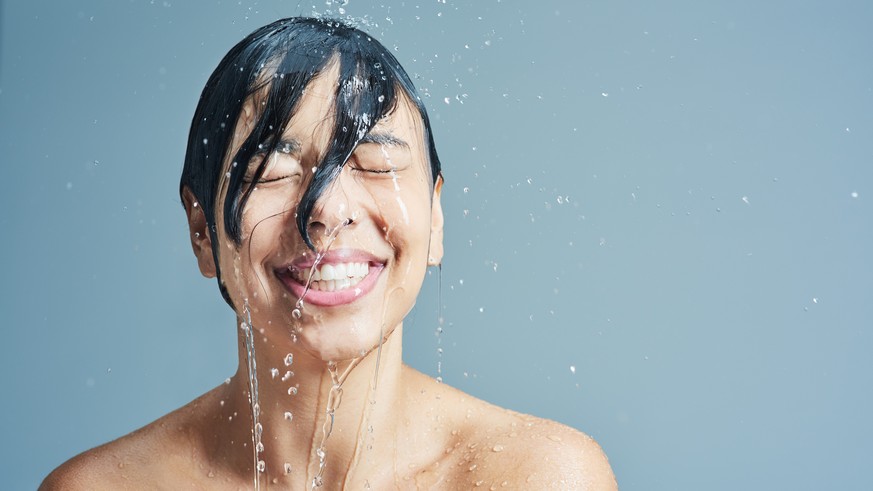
<point>143,459</point>
<point>103,467</point>
<point>97,468</point>
<point>549,455</point>
<point>496,448</point>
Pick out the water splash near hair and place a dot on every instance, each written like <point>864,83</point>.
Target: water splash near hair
<point>297,313</point>
<point>257,430</point>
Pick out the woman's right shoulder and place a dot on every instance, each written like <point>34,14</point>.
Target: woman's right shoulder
<point>137,460</point>
<point>134,461</point>
<point>92,469</point>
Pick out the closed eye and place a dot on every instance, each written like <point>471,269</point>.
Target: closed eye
<point>374,171</point>
<point>275,179</point>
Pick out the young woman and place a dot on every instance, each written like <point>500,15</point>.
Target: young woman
<point>312,190</point>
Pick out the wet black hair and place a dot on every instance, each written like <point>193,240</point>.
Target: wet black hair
<point>273,65</point>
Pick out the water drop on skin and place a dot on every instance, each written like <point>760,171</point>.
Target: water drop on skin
<point>289,359</point>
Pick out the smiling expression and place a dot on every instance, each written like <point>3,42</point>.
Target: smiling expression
<point>374,229</point>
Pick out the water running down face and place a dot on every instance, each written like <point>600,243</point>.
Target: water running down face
<point>375,229</point>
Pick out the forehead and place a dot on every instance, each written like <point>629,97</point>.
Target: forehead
<point>315,116</point>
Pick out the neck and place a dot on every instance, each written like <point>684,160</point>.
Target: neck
<point>320,420</point>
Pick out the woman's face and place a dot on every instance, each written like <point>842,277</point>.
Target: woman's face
<point>377,225</point>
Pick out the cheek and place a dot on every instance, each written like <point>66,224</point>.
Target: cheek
<point>399,200</point>
<point>267,214</point>
<point>405,216</point>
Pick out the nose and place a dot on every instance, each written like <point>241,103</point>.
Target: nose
<point>331,213</point>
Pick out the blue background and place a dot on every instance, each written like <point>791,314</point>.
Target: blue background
<point>673,198</point>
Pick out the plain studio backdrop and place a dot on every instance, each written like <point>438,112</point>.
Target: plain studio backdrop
<point>658,225</point>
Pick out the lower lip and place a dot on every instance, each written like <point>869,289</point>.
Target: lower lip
<point>335,298</point>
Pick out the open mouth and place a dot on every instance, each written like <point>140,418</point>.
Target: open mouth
<point>342,276</point>
<point>332,277</point>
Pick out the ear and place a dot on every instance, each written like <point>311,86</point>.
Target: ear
<point>435,254</point>
<point>201,241</point>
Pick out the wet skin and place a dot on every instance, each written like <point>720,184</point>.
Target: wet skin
<point>395,427</point>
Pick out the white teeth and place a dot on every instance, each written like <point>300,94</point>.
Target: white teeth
<point>328,273</point>
<point>333,277</point>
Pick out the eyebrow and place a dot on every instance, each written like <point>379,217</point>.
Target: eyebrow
<point>292,144</point>
<point>384,139</point>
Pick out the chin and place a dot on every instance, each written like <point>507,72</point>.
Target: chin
<point>338,344</point>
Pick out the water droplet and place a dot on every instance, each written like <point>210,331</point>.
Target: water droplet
<point>296,314</point>
<point>262,466</point>
<point>260,447</point>
<point>288,416</point>
<point>274,372</point>
<point>289,359</point>
<point>292,391</point>
<point>572,369</point>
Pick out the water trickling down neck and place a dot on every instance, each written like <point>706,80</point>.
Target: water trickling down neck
<point>257,429</point>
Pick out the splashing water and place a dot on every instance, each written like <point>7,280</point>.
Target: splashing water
<point>334,397</point>
<point>257,429</point>
<point>297,313</point>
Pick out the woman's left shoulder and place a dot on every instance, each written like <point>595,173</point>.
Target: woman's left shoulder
<point>516,450</point>
<point>545,454</point>
<point>503,449</point>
